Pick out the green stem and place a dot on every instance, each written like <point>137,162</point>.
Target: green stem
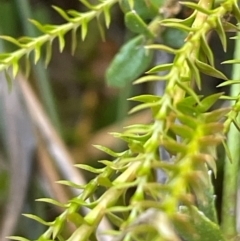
<point>109,198</point>
<point>231,169</point>
<point>59,31</point>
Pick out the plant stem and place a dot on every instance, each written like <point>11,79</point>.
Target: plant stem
<point>231,169</point>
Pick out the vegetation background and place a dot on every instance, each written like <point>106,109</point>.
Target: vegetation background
<point>62,110</point>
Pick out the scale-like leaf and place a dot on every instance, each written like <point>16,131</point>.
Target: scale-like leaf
<point>159,68</point>
<point>187,21</point>
<point>189,100</point>
<point>209,70</point>
<point>229,27</point>
<point>89,168</point>
<point>236,11</point>
<point>37,52</point>
<point>195,72</point>
<point>71,184</point>
<point>108,151</point>
<point>144,106</point>
<point>221,34</point>
<point>177,25</point>
<point>15,66</point>
<point>11,40</point>
<point>196,7</point>
<point>52,201</point>
<point>74,13</point>
<point>216,115</point>
<point>206,49</point>
<point>61,41</point>
<point>229,82</point>
<point>17,238</point>
<point>107,15</point>
<point>84,28</point>
<point>62,13</point>
<point>145,98</point>
<point>38,219</point>
<point>208,102</point>
<point>89,5</point>
<point>233,61</point>
<point>189,121</point>
<point>182,130</point>
<point>4,57</point>
<point>83,203</point>
<point>162,47</point>
<point>174,147</point>
<point>189,90</point>
<point>38,25</point>
<point>126,185</point>
<point>149,78</point>
<point>212,128</point>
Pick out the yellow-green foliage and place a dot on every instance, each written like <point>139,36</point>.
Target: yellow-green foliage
<point>183,123</point>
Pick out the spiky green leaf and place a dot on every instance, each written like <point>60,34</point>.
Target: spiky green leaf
<point>52,201</point>
<point>159,68</point>
<point>149,78</point>
<point>145,98</point>
<point>107,16</point>
<point>207,51</point>
<point>221,34</point>
<point>209,70</point>
<point>62,13</point>
<point>89,168</point>
<point>208,102</point>
<point>61,41</point>
<point>71,184</point>
<point>38,219</point>
<point>196,7</point>
<point>108,151</point>
<point>195,72</point>
<point>143,106</point>
<point>17,238</point>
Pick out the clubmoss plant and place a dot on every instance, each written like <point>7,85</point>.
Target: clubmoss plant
<point>184,125</point>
